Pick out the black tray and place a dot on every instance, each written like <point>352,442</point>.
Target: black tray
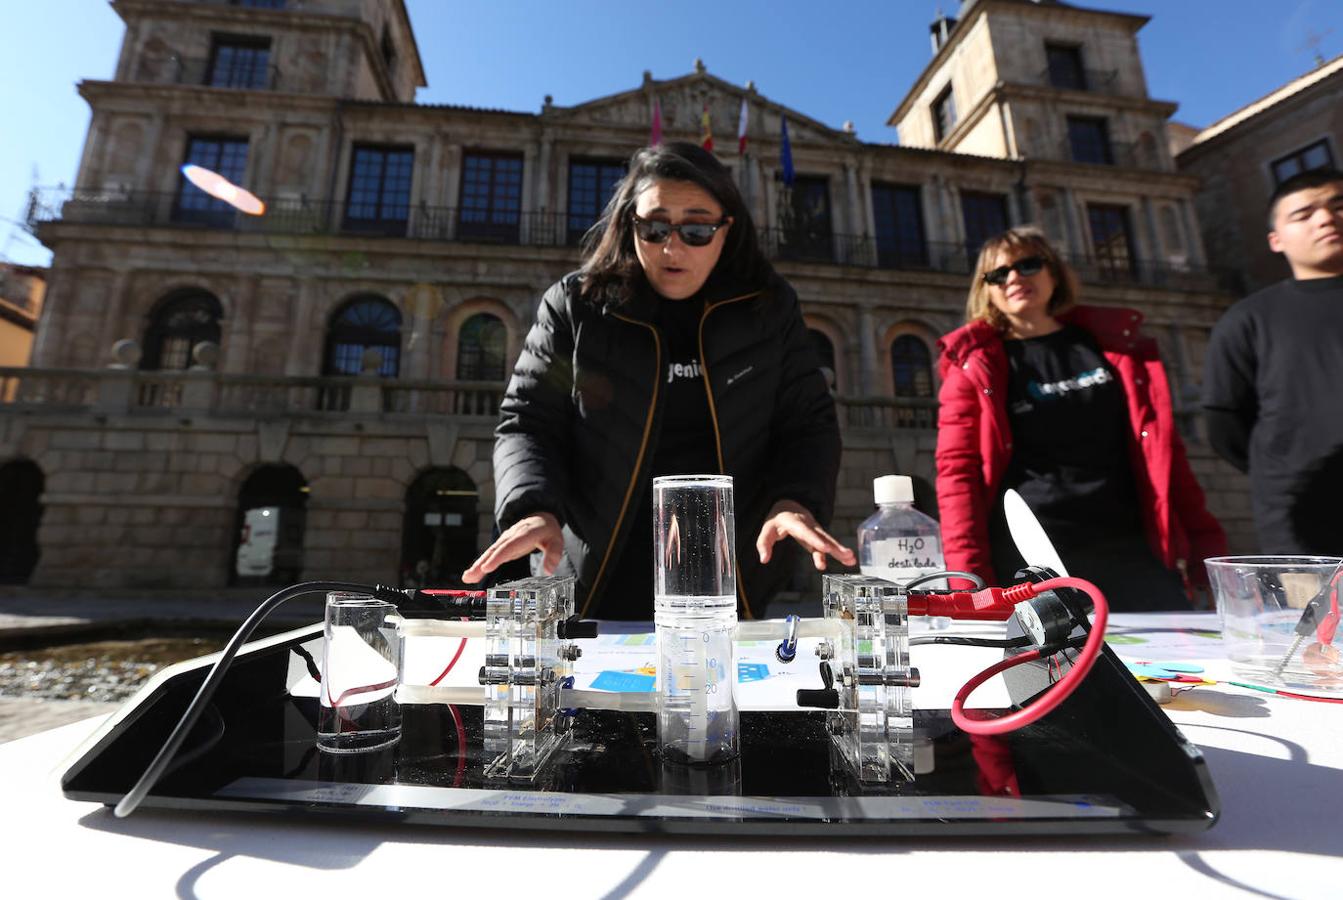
<point>1106,761</point>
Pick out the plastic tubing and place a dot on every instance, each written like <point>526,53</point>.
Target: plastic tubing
<point>1051,698</point>
<point>772,629</point>
<point>441,628</point>
<point>622,701</point>
<point>425,693</point>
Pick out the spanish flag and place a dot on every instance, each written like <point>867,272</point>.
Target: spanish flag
<point>706,132</point>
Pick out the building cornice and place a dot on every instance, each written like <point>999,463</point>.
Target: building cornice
<point>1010,90</point>
<point>102,91</point>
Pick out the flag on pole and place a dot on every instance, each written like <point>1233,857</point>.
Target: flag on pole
<point>741,129</point>
<point>706,133</point>
<point>655,137</point>
<point>786,156</point>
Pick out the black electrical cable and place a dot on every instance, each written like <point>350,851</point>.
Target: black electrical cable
<point>948,573</point>
<point>1002,643</point>
<point>212,681</point>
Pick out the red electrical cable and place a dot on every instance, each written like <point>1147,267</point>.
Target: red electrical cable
<point>452,662</point>
<point>461,746</point>
<point>1061,689</point>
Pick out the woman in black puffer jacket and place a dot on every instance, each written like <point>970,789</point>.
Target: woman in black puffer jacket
<point>675,349</point>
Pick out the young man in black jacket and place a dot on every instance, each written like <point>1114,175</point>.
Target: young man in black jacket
<point>1273,376</point>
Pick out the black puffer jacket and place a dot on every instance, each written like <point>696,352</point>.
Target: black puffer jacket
<point>582,413</point>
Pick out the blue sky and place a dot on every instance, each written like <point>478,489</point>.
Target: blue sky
<point>851,60</point>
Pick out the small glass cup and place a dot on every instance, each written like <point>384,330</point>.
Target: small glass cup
<point>1280,618</point>
<point>361,668</point>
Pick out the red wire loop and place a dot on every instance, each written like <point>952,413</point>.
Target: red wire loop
<point>1053,696</point>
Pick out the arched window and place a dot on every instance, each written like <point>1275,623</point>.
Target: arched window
<point>364,323</point>
<point>911,367</point>
<point>268,539</point>
<point>178,324</point>
<point>482,345</point>
<point>21,484</point>
<point>438,536</point>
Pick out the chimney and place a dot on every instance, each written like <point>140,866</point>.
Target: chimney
<point>941,30</point>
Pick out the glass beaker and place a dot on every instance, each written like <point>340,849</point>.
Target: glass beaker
<point>361,667</point>
<point>1280,618</point>
<point>695,616</point>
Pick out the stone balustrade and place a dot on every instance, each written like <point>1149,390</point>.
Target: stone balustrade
<point>121,390</point>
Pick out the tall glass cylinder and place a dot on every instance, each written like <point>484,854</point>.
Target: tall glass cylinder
<point>695,615</point>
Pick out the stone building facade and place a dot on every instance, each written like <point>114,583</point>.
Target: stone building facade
<point>1242,157</point>
<point>341,357</point>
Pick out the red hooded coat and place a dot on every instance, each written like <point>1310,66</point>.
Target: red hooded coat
<point>974,443</point>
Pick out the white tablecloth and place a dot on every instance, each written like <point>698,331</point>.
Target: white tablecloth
<point>1277,764</point>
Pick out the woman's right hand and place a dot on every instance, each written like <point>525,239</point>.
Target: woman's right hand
<point>537,532</point>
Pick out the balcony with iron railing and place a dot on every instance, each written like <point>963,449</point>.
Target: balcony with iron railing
<point>164,394</point>
<point>551,229</point>
<point>127,391</point>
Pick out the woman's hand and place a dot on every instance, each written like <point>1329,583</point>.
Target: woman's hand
<point>537,532</point>
<point>788,518</point>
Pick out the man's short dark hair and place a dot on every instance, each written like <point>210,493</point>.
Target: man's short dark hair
<point>1301,181</point>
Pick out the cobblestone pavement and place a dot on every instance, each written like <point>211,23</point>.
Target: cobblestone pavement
<point>66,656</point>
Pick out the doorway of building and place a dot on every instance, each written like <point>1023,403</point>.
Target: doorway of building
<point>268,529</point>
<point>438,537</point>
<point>21,484</point>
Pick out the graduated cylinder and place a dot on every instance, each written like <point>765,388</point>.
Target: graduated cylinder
<point>695,615</point>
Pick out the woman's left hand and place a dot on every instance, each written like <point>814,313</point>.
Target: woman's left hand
<point>788,518</point>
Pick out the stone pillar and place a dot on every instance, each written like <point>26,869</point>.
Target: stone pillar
<point>543,165</point>
<point>855,216</point>
<point>1155,250</point>
<point>865,194</point>
<point>1193,238</point>
<point>117,296</point>
<point>431,192</point>
<point>304,330</point>
<point>263,154</point>
<point>452,181</point>
<point>529,157</point>
<point>867,352</point>
<point>1071,226</point>
<point>51,325</point>
<point>238,342</point>
<point>144,169</point>
<point>96,141</point>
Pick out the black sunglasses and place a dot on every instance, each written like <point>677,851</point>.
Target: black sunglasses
<point>695,234</point>
<point>1026,266</point>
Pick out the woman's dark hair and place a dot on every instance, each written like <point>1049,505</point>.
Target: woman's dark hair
<point>611,270</point>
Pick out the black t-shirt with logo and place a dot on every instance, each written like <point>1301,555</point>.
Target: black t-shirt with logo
<point>1070,457</point>
<point>685,446</point>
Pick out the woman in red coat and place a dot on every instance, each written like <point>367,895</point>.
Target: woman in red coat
<point>1070,406</point>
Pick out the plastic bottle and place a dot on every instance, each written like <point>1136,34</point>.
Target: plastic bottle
<point>897,542</point>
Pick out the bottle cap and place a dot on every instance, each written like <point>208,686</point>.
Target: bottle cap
<point>893,489</point>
